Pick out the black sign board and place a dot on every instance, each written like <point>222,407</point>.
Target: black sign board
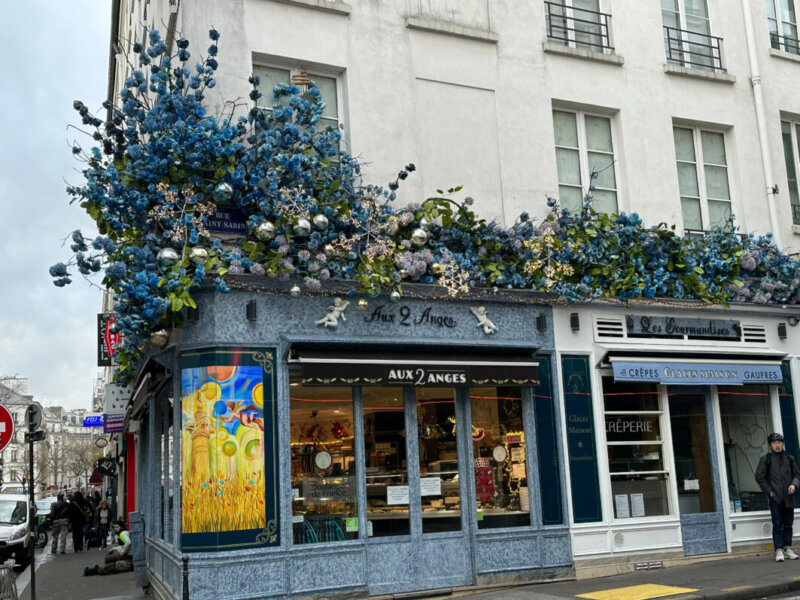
<point>107,340</point>
<point>671,327</point>
<point>418,370</point>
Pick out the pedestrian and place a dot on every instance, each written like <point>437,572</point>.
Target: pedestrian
<point>60,517</point>
<point>102,520</point>
<point>778,477</point>
<point>119,558</point>
<point>77,518</point>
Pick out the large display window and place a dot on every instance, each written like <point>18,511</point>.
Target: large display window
<point>386,461</point>
<point>324,490</point>
<point>438,460</point>
<point>746,416</point>
<point>639,475</point>
<point>498,442</point>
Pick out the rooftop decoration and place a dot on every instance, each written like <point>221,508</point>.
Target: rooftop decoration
<point>163,168</point>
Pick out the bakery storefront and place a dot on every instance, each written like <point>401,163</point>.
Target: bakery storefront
<point>402,447</point>
<point>665,421</point>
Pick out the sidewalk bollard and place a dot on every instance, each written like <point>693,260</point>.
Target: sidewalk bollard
<point>185,577</point>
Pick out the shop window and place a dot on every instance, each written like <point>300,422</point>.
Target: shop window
<point>746,421</point>
<point>385,454</point>
<point>324,498</point>
<point>639,477</point>
<point>692,451</point>
<point>498,442</point>
<point>438,460</point>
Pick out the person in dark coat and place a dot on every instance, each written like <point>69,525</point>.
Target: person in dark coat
<point>78,509</point>
<point>779,478</point>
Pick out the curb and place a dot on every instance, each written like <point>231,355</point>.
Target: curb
<point>750,593</point>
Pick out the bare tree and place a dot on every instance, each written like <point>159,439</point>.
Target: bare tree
<point>80,457</point>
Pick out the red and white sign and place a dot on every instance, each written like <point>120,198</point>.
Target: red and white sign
<point>6,427</point>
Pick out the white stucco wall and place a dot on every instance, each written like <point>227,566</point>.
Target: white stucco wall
<point>471,104</point>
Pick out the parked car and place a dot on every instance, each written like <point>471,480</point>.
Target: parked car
<point>14,538</point>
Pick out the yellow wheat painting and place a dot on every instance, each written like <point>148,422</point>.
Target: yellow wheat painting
<point>223,449</point>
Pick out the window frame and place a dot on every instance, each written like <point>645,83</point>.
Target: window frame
<point>687,56</point>
<point>585,170</point>
<point>699,159</point>
<point>794,127</point>
<point>569,27</point>
<point>781,40</point>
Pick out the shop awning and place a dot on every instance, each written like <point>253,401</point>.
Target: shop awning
<point>333,367</point>
<point>693,371</point>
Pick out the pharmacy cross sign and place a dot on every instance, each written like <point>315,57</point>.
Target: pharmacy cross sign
<point>6,427</point>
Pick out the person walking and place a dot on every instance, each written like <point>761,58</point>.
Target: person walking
<point>60,516</point>
<point>779,478</point>
<point>102,520</point>
<point>77,518</point>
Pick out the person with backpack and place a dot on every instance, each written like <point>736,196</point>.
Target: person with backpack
<point>778,476</point>
<point>60,516</point>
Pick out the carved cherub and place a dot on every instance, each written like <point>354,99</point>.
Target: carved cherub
<point>335,311</point>
<point>481,314</point>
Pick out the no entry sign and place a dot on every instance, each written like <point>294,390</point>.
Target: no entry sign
<point>6,427</point>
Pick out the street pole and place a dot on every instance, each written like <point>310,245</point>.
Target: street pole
<point>32,513</point>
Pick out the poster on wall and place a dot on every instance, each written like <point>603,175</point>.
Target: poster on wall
<point>229,471</point>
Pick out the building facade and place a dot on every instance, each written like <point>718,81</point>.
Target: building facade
<point>302,440</point>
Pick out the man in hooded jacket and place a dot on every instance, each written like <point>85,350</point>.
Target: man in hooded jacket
<point>779,478</point>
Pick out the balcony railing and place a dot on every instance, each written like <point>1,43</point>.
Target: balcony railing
<point>578,27</point>
<point>787,44</point>
<point>692,49</point>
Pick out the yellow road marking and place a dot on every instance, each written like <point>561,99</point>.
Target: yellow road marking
<point>733,589</point>
<point>637,592</point>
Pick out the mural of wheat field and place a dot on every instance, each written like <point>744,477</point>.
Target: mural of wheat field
<point>223,449</point>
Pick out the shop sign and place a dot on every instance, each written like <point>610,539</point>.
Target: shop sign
<point>696,373</point>
<point>114,423</point>
<point>672,327</point>
<point>93,421</point>
<point>227,220</point>
<point>404,315</point>
<point>629,425</point>
<point>329,490</point>
<point>107,340</point>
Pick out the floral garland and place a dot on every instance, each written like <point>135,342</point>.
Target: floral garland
<point>162,167</point>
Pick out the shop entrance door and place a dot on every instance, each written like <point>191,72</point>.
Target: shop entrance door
<point>699,495</point>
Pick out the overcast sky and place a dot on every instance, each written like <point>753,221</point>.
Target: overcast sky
<point>52,52</point>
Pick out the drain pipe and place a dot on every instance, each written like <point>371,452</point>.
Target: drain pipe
<point>758,99</point>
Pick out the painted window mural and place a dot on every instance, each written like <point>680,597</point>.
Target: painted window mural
<point>229,484</point>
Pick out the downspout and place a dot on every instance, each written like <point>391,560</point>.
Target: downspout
<point>758,99</point>
<point>113,50</point>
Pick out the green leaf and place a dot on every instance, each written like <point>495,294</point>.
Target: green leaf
<point>698,270</point>
<point>177,304</point>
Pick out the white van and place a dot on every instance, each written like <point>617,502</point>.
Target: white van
<point>14,538</point>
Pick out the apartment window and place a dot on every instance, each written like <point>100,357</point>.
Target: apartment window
<point>702,178</point>
<point>328,88</point>
<point>584,146</point>
<point>789,132</point>
<point>687,35</point>
<point>782,22</point>
<point>578,23</point>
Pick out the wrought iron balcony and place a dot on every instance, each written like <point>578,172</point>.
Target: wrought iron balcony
<point>693,50</point>
<point>578,27</point>
<point>787,44</point>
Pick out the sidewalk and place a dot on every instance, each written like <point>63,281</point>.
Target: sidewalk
<point>726,579</point>
<point>60,577</point>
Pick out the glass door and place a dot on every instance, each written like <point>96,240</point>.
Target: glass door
<point>702,525</point>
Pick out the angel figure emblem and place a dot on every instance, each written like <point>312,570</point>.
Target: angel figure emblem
<point>481,314</point>
<point>335,311</point>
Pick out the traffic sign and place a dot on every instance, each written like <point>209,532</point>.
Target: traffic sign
<point>34,415</point>
<point>6,427</point>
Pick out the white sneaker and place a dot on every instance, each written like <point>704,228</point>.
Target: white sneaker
<point>779,555</point>
<point>790,554</point>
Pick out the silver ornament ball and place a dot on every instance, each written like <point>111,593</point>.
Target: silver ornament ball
<point>403,273</point>
<point>167,257</point>
<point>419,237</point>
<point>264,231</point>
<point>362,304</point>
<point>395,296</point>
<point>198,255</point>
<point>223,192</point>
<point>321,222</point>
<point>302,228</point>
<point>424,224</point>
<point>436,268</point>
<point>295,291</point>
<point>159,338</point>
